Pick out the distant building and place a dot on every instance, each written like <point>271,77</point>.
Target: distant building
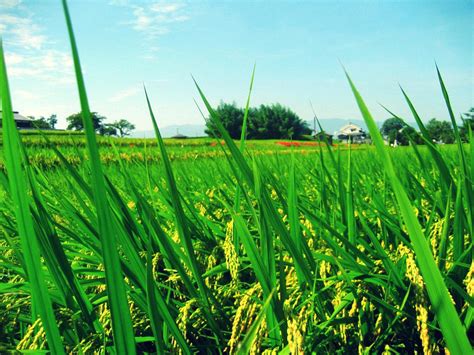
<point>323,136</point>
<point>22,122</point>
<point>352,133</point>
<point>179,136</point>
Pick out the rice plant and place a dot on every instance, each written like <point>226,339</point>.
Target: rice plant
<point>249,249</point>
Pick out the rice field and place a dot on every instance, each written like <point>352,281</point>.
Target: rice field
<point>233,247</point>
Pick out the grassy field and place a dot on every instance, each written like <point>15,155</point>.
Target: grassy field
<point>358,286</point>
<point>74,148</point>
<point>134,246</point>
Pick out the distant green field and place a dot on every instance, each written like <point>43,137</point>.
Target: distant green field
<point>113,150</point>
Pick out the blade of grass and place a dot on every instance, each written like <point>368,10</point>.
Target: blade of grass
<point>448,319</point>
<point>246,344</point>
<point>122,327</point>
<point>242,148</point>
<point>468,183</point>
<point>182,226</point>
<point>18,187</point>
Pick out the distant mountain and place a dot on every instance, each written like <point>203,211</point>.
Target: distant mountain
<point>190,130</point>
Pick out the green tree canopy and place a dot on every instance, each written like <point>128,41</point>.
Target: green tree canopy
<point>75,121</point>
<point>122,127</point>
<point>107,130</point>
<point>468,121</point>
<point>276,122</point>
<point>52,121</point>
<point>265,122</point>
<point>392,124</point>
<point>396,129</point>
<point>440,131</point>
<point>232,118</point>
<point>40,123</point>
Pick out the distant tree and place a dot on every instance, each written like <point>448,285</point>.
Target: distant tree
<point>407,135</point>
<point>40,123</point>
<point>107,130</point>
<point>232,118</point>
<point>276,122</point>
<point>123,127</point>
<point>75,121</point>
<point>392,124</point>
<point>265,122</point>
<point>393,129</point>
<point>396,129</point>
<point>440,131</point>
<point>52,121</point>
<point>468,121</point>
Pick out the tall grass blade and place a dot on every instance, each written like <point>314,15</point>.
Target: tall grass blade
<point>182,226</point>
<point>467,177</point>
<point>124,339</point>
<point>447,317</point>
<point>41,301</point>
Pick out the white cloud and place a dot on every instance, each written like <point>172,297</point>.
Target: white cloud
<point>124,94</point>
<point>165,8</point>
<point>13,58</point>
<point>20,31</point>
<point>9,3</point>
<point>155,18</point>
<point>28,51</point>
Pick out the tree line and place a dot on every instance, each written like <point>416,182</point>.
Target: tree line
<point>276,121</point>
<point>397,130</point>
<point>120,127</point>
<point>273,121</point>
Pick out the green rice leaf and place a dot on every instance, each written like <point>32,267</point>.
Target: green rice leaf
<point>122,328</point>
<point>447,317</point>
<point>41,301</point>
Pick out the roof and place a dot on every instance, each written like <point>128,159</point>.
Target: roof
<point>350,130</point>
<point>179,135</point>
<point>18,117</point>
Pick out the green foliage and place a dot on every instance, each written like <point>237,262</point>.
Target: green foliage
<point>364,250</point>
<point>440,131</point>
<point>395,129</point>
<point>52,121</point>
<point>468,124</point>
<point>41,123</point>
<point>107,130</point>
<point>122,127</point>
<point>392,125</point>
<point>275,122</point>
<point>232,118</point>
<point>264,122</point>
<point>75,122</point>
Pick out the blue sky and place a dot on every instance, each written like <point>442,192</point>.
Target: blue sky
<point>298,47</point>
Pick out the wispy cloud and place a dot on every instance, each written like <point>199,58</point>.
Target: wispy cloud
<point>21,31</point>
<point>124,94</point>
<point>7,4</point>
<point>155,18</point>
<point>29,52</point>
